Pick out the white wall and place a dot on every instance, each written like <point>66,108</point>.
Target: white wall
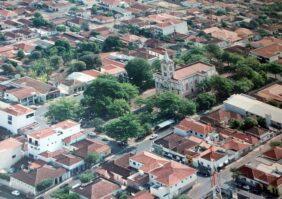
<point>21,186</point>
<point>17,121</point>
<point>10,156</point>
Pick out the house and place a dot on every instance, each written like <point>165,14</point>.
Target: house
<point>142,195</point>
<point>229,37</point>
<point>28,181</point>
<point>87,146</point>
<point>235,149</point>
<point>167,179</point>
<point>15,117</point>
<point>10,152</point>
<point>117,170</point>
<point>260,179</point>
<point>212,160</point>
<point>274,154</point>
<point>77,81</point>
<point>24,95</point>
<point>43,90</point>
<point>248,106</point>
<point>271,94</point>
<point>183,80</point>
<point>134,40</point>
<point>266,41</point>
<point>188,127</point>
<point>176,147</point>
<point>260,133</point>
<point>51,138</point>
<point>166,24</point>
<point>220,117</point>
<point>98,189</point>
<point>269,53</point>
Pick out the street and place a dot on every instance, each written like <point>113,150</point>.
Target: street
<point>5,193</point>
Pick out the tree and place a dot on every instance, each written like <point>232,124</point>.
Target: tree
<point>85,26</point>
<point>171,105</point>
<point>156,66</point>
<point>20,54</point>
<point>249,123</point>
<point>63,109</point>
<point>235,124</point>
<point>76,66</point>
<point>98,123</point>
<point>273,68</point>
<point>56,61</point>
<point>205,101</point>
<point>35,55</point>
<point>213,51</point>
<point>44,184</point>
<point>118,108</point>
<point>222,86</point>
<point>64,193</point>
<point>38,20</point>
<point>94,9</point>
<point>102,92</point>
<point>2,37</point>
<point>139,73</point>
<point>92,158</point>
<point>112,43</point>
<point>276,143</point>
<point>8,68</point>
<point>92,61</point>
<point>88,46</point>
<point>86,177</point>
<point>61,28</point>
<point>243,85</point>
<point>63,43</point>
<point>124,127</point>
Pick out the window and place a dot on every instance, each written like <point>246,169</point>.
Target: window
<point>13,156</point>
<point>36,142</point>
<point>30,140</point>
<point>30,115</point>
<point>10,119</point>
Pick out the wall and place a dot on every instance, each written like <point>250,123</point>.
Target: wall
<point>21,186</point>
<point>8,154</point>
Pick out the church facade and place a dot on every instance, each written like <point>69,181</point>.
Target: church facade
<point>184,80</point>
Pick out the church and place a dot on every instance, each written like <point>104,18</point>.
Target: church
<point>183,80</point>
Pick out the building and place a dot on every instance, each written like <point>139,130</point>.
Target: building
<point>188,127</point>
<point>98,189</point>
<point>167,178</point>
<point>248,106</point>
<point>15,117</point>
<point>10,152</point>
<point>212,160</point>
<point>271,94</point>
<point>183,80</point>
<point>27,181</point>
<point>51,138</point>
<point>269,53</point>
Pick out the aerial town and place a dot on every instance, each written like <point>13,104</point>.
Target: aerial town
<point>140,99</point>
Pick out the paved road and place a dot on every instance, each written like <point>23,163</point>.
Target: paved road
<point>203,186</point>
<point>5,193</point>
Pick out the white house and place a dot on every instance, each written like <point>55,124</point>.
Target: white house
<point>167,178</point>
<point>15,117</point>
<point>188,127</point>
<point>51,138</point>
<point>212,160</point>
<point>183,80</point>
<point>11,152</point>
<point>248,106</point>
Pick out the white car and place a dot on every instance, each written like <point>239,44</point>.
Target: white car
<point>16,193</point>
<point>153,136</point>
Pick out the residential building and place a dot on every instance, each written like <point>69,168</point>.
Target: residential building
<point>27,181</point>
<point>183,80</point>
<point>14,117</point>
<point>188,127</point>
<point>271,94</point>
<point>98,189</point>
<point>51,138</point>
<point>248,106</point>
<point>235,149</point>
<point>211,160</point>
<point>24,95</point>
<point>167,178</point>
<point>10,152</point>
<point>269,53</point>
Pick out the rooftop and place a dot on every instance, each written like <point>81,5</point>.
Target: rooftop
<point>191,124</point>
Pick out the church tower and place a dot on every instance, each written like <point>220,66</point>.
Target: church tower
<point>167,67</point>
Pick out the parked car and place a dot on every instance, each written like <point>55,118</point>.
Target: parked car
<point>15,193</point>
<point>154,136</point>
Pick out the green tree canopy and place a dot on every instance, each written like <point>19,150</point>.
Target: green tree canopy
<point>63,109</point>
<point>86,177</point>
<point>205,101</point>
<point>124,127</point>
<point>92,61</point>
<point>112,43</point>
<point>101,94</point>
<point>243,85</point>
<point>139,73</point>
<point>76,66</point>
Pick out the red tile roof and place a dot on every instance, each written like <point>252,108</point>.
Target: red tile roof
<point>235,145</point>
<point>190,124</point>
<point>274,153</point>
